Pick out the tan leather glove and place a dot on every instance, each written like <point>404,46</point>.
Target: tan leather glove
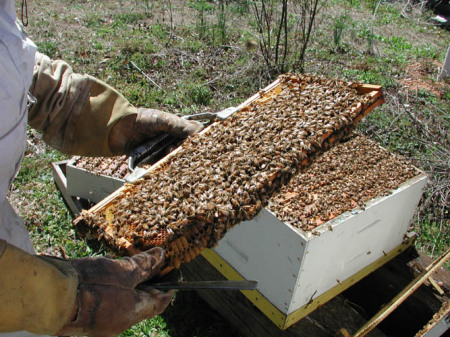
<point>79,114</point>
<point>88,296</point>
<point>35,295</point>
<point>108,301</point>
<point>132,130</point>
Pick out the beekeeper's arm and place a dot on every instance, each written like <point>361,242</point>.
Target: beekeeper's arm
<point>79,114</point>
<point>82,297</point>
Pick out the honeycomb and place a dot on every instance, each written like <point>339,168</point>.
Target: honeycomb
<point>116,167</point>
<point>227,173</point>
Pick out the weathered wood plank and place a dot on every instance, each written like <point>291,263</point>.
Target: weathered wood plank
<point>350,310</point>
<point>240,312</point>
<point>380,287</point>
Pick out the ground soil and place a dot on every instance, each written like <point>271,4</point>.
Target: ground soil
<point>422,76</point>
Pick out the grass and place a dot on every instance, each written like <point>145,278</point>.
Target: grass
<point>201,64</point>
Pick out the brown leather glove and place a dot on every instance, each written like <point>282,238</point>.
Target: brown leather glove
<point>108,301</point>
<point>132,130</point>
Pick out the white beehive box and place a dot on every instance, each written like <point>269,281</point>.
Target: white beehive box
<point>297,270</point>
<point>88,185</point>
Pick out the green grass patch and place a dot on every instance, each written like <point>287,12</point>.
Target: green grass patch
<point>49,48</point>
<point>44,211</point>
<point>150,327</point>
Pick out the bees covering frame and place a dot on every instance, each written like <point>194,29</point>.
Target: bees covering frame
<point>228,172</point>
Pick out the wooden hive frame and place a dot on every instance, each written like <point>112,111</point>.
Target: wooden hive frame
<point>374,93</point>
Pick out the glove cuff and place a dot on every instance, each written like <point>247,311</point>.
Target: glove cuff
<point>75,112</point>
<point>36,294</point>
<point>82,321</point>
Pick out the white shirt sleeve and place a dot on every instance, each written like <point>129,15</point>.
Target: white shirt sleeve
<point>17,54</point>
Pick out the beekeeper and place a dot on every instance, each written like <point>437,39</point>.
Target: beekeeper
<point>77,114</point>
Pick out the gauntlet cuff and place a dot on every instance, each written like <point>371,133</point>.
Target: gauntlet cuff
<point>75,112</point>
<point>35,295</point>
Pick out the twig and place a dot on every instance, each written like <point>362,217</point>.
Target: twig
<point>171,23</point>
<point>145,75</point>
<point>371,27</point>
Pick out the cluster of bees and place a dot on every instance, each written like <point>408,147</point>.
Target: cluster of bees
<point>116,167</point>
<point>227,173</point>
<point>348,175</point>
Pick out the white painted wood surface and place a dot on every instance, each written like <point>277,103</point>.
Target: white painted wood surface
<point>88,185</point>
<point>292,266</point>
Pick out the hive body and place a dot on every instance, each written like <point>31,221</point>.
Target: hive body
<point>94,179</point>
<point>295,266</point>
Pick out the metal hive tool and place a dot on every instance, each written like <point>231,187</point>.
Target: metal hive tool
<point>227,173</point>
